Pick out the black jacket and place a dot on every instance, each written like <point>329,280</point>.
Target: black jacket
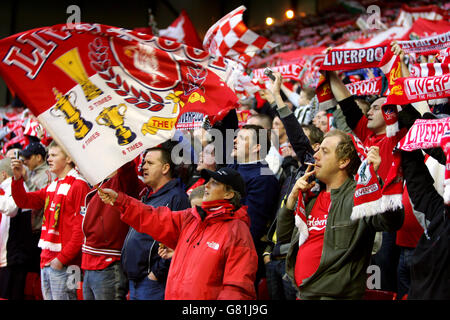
<point>140,251</point>
<point>304,152</point>
<point>430,271</point>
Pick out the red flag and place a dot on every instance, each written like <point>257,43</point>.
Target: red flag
<point>408,14</point>
<point>427,28</point>
<point>102,90</point>
<point>229,37</point>
<point>182,30</point>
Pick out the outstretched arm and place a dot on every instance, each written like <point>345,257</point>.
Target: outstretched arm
<point>163,224</point>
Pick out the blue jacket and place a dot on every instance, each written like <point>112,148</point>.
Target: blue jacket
<point>262,189</point>
<point>140,251</point>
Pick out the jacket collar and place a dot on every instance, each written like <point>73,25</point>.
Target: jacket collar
<point>221,214</point>
<point>343,188</point>
<point>165,188</point>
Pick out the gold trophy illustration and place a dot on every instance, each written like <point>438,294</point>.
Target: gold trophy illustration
<point>113,118</point>
<point>70,63</point>
<point>71,113</point>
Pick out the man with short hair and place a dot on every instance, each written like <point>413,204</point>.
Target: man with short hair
<point>214,256</point>
<point>273,158</point>
<point>61,234</point>
<point>262,187</point>
<point>104,235</point>
<point>37,176</point>
<point>371,130</point>
<point>335,268</point>
<point>145,269</point>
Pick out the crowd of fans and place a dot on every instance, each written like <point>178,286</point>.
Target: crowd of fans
<point>272,224</point>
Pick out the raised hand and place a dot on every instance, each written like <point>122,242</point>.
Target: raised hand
<point>302,185</point>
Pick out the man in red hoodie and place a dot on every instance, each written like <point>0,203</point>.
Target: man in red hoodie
<point>215,257</point>
<point>104,235</point>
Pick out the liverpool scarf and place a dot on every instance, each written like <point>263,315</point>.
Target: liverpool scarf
<point>445,145</point>
<point>56,195</point>
<point>409,90</point>
<point>367,198</point>
<point>425,134</point>
<point>377,56</point>
<point>438,42</point>
<point>375,86</point>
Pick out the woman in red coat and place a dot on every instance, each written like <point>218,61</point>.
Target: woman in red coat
<point>215,257</point>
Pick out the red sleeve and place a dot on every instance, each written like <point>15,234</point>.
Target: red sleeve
<point>72,221</point>
<point>240,269</point>
<point>161,223</point>
<point>361,130</point>
<point>128,180</point>
<point>27,200</point>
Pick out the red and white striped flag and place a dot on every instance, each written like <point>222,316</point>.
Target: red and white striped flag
<point>429,69</point>
<point>105,94</point>
<point>229,37</point>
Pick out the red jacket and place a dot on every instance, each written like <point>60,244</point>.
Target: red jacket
<point>68,237</point>
<point>215,259</point>
<point>104,232</point>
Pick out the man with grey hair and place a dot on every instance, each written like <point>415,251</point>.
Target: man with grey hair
<point>15,239</point>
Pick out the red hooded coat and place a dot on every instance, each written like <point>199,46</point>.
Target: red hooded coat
<point>215,259</point>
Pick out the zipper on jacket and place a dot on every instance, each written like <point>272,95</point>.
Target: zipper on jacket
<point>201,236</point>
<point>125,244</point>
<point>149,269</point>
<point>86,205</point>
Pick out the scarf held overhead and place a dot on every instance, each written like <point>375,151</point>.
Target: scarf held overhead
<point>409,90</point>
<point>425,134</point>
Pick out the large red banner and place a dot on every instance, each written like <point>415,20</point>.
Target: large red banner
<point>102,90</point>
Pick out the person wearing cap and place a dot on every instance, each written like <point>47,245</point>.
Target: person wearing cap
<point>145,269</point>
<point>215,257</point>
<point>37,176</point>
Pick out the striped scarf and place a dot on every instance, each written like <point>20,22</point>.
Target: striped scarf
<point>56,194</point>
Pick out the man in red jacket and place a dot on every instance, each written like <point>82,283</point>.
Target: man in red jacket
<point>61,234</point>
<point>215,257</point>
<point>104,235</point>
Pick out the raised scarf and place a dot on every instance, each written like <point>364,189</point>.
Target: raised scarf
<point>433,43</point>
<point>376,56</point>
<point>433,133</point>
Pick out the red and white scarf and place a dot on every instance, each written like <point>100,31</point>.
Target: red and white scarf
<point>368,87</point>
<point>359,59</point>
<point>409,90</point>
<point>438,42</point>
<point>433,133</point>
<point>420,70</point>
<point>445,145</point>
<point>367,199</point>
<point>56,194</point>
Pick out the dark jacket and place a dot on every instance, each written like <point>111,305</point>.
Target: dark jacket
<point>291,172</point>
<point>261,196</point>
<point>430,271</point>
<point>140,251</point>
<point>347,247</point>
